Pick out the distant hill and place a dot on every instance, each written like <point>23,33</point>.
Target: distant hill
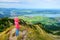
<point>8,12</point>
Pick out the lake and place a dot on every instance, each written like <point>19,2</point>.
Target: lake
<point>45,15</point>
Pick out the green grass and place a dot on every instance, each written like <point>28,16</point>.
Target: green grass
<point>35,34</point>
<point>5,34</point>
<point>32,34</point>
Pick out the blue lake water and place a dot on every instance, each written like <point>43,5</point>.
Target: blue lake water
<point>45,15</point>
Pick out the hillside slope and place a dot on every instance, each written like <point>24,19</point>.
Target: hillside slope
<point>32,33</point>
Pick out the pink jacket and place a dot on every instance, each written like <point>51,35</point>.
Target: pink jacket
<point>16,21</point>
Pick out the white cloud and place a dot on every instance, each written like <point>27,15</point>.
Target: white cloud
<point>30,4</point>
<point>17,0</point>
<point>10,0</point>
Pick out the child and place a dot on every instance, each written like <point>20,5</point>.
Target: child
<point>16,21</point>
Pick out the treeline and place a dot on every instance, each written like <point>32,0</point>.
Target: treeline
<point>5,23</point>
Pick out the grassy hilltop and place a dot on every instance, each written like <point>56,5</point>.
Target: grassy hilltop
<point>34,29</point>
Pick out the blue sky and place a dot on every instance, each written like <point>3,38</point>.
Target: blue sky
<point>35,4</point>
